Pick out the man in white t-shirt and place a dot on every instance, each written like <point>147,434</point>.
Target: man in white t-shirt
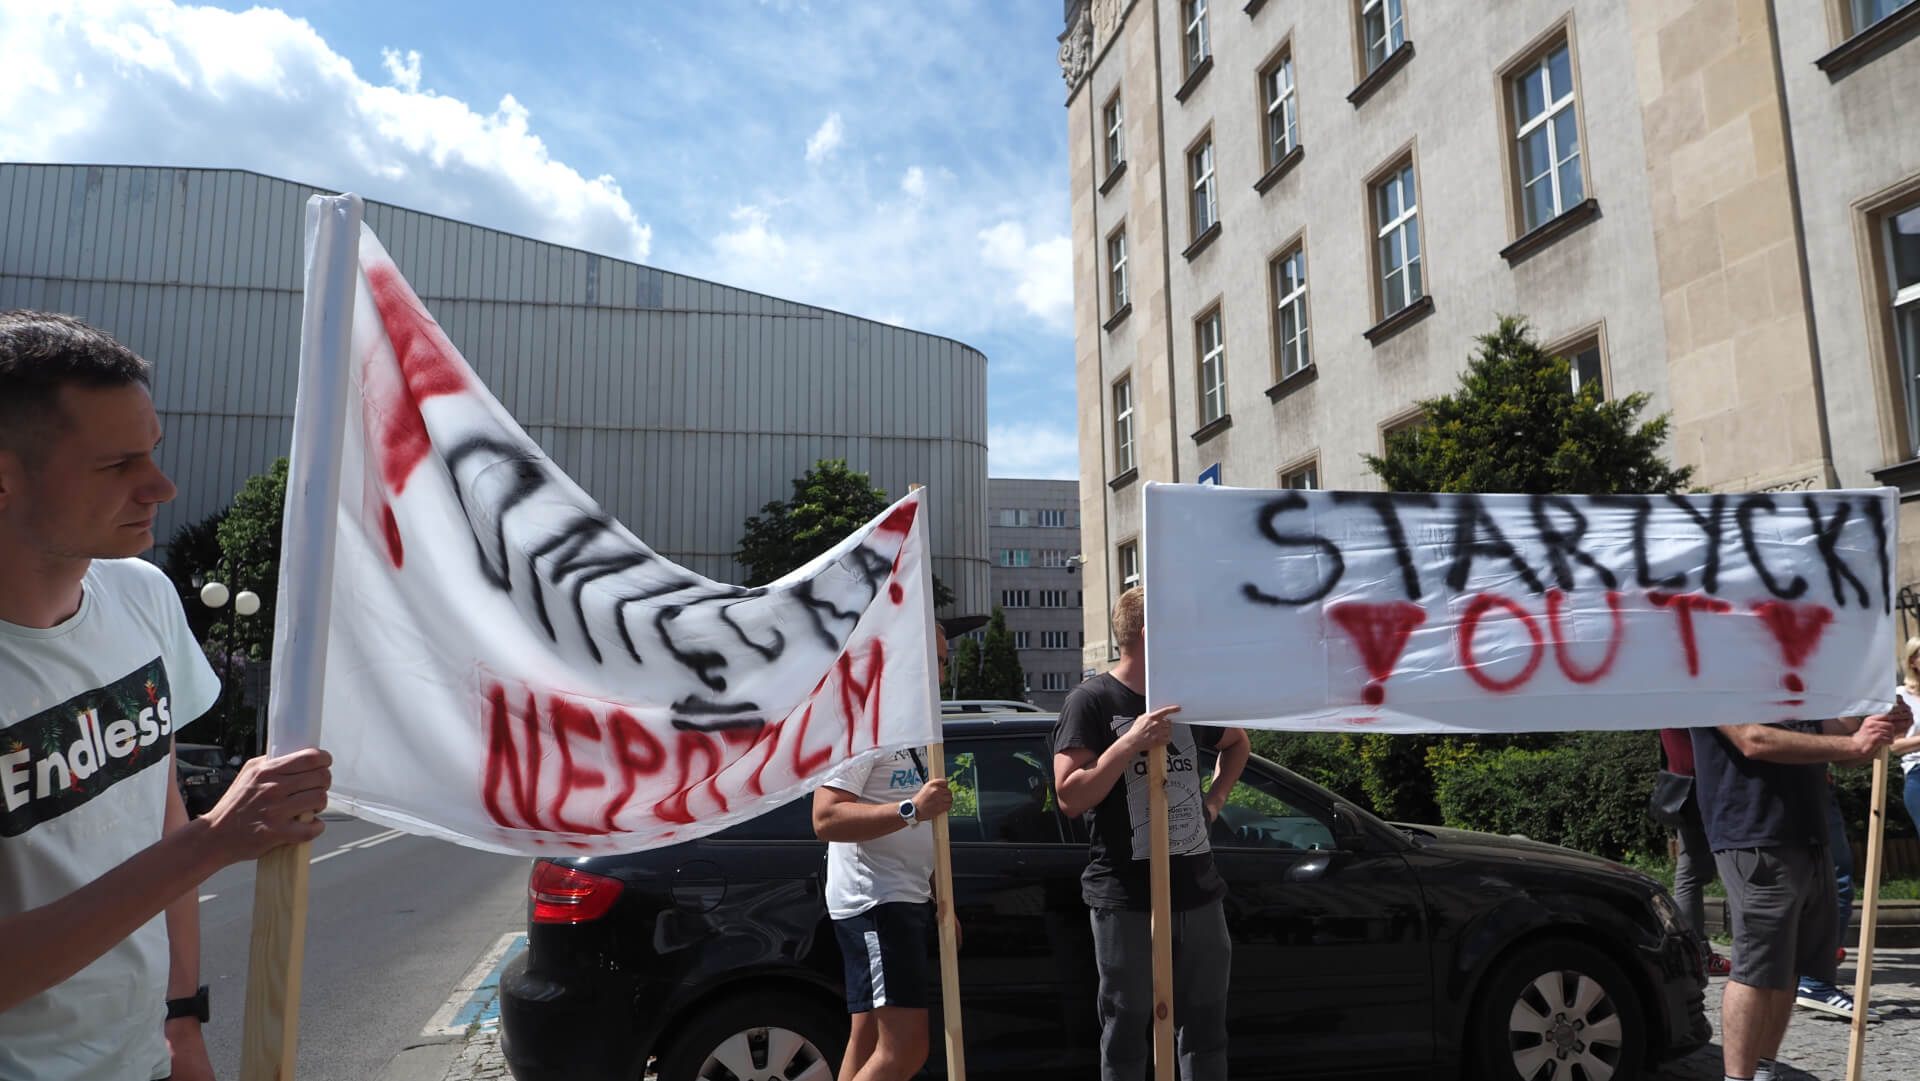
<point>880,895</point>
<point>98,863</point>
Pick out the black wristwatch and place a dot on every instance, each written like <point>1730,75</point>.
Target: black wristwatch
<point>195,1006</point>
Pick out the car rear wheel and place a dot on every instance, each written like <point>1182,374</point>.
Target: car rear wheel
<point>762,1037</point>
<point>1559,1011</point>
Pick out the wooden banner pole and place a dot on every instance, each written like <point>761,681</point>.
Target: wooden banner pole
<point>1162,926</point>
<point>943,873</point>
<point>277,954</point>
<point>1869,917</point>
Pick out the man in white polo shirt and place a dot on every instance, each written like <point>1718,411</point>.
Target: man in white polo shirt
<point>880,895</point>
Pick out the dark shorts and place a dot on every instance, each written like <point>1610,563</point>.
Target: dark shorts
<point>1786,921</point>
<point>886,953</point>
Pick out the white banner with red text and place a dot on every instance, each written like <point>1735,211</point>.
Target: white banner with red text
<point>509,668</point>
<point>1345,611</point>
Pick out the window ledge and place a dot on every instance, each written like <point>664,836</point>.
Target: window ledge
<point>1902,475</point>
<point>1208,431</point>
<point>1280,168</point>
<point>1400,320</point>
<point>1378,77</point>
<point>1253,7</point>
<point>1193,79</point>
<point>1119,317</point>
<point>1123,479</point>
<point>1545,234</point>
<point>1871,42</point>
<point>1113,177</point>
<point>1201,242</point>
<point>1293,382</point>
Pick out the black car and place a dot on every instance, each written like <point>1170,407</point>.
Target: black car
<point>204,773</point>
<point>1361,948</point>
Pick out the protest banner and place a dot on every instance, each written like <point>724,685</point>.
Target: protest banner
<point>1468,613</point>
<point>495,661</point>
<point>1333,611</point>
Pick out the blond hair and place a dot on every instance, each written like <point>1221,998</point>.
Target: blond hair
<point>1906,665</point>
<point>1129,619</point>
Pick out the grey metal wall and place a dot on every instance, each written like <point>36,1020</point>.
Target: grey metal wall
<point>682,405</point>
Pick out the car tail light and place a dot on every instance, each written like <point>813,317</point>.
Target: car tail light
<point>565,895</point>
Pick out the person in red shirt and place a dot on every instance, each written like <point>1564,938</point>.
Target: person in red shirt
<point>1694,869</point>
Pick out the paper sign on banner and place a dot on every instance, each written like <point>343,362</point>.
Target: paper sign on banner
<point>1337,611</point>
<point>509,668</point>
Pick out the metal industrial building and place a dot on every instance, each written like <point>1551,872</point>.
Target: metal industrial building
<point>682,405</point>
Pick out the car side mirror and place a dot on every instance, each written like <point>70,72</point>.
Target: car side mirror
<point>1347,831</point>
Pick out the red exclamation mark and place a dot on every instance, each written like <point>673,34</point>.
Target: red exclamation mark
<point>1797,627</point>
<point>1379,632</point>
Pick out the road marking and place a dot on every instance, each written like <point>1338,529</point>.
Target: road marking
<point>205,897</point>
<point>364,842</point>
<point>477,997</point>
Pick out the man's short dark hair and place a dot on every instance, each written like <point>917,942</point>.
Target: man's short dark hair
<point>40,352</point>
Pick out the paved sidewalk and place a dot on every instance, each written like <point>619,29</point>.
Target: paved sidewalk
<point>1816,1043</point>
<point>1815,1048</point>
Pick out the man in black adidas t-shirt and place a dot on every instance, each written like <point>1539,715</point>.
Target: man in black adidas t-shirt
<point>1100,748</point>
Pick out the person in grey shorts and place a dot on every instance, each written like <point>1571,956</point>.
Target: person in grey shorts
<point>1762,793</point>
<point>1100,769</point>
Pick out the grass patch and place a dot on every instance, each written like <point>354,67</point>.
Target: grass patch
<point>1891,889</point>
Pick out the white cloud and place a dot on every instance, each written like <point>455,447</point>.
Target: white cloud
<point>404,74</point>
<point>915,182</point>
<point>170,84</point>
<point>1041,271</point>
<point>827,139</point>
<point>1032,451</point>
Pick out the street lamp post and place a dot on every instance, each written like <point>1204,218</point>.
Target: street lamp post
<point>245,603</point>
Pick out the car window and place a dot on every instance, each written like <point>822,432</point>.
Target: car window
<point>1003,791</point>
<point>1261,813</point>
<point>791,821</point>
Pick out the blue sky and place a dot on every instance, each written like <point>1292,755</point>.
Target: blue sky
<point>898,160</point>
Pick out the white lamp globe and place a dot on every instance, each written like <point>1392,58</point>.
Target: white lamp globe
<point>247,603</point>
<point>213,594</point>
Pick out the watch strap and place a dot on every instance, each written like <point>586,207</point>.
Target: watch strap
<point>196,1005</point>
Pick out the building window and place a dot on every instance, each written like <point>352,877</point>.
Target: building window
<point>1116,139</point>
<point>1021,639</point>
<point>1053,598</point>
<point>1212,353</point>
<point>1015,598</point>
<point>1864,13</point>
<point>1129,565</point>
<point>1123,426</point>
<point>1052,519</point>
<point>1382,30</point>
<point>1193,14</point>
<point>1056,557</point>
<point>1903,278</point>
<point>1206,207</point>
<point>1055,640</point>
<point>1283,123</point>
<point>1301,478</point>
<point>1585,364</point>
<point>1404,423</point>
<point>1015,516</point>
<point>1290,311</point>
<point>1053,681</point>
<point>1117,269</point>
<point>1396,224</point>
<point>1547,138</point>
<point>1015,557</point>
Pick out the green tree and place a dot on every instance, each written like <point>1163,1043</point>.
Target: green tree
<point>194,552</point>
<point>965,670</point>
<point>829,502</point>
<point>1000,673</point>
<point>1516,426</point>
<point>249,536</point>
